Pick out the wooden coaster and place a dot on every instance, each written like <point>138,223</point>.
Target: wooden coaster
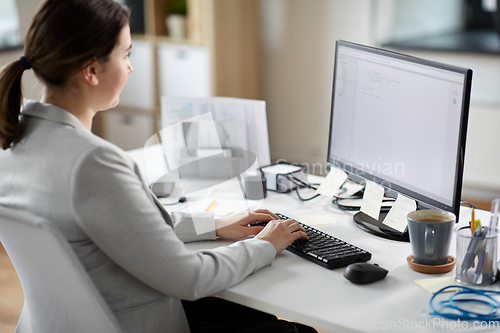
<point>431,269</point>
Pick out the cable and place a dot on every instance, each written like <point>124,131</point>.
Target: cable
<point>343,189</point>
<point>296,180</point>
<point>453,310</point>
<point>337,202</point>
<point>467,204</point>
<point>302,184</point>
<point>306,199</point>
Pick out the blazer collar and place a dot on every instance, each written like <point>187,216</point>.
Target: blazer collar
<point>52,113</point>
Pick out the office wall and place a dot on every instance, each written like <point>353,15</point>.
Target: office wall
<point>31,86</point>
<point>298,44</point>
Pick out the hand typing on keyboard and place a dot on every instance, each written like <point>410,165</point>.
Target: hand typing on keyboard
<point>282,233</point>
<point>236,226</point>
<point>326,250</point>
<point>279,233</point>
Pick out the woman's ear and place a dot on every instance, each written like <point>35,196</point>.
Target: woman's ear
<point>89,73</point>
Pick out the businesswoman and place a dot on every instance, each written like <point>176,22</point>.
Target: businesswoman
<point>54,167</point>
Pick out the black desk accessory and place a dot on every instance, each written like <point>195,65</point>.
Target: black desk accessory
<point>364,273</point>
<point>376,227</point>
<point>326,250</point>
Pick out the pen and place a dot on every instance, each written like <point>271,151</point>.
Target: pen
<point>210,206</point>
<point>472,222</point>
<point>480,263</point>
<point>473,248</point>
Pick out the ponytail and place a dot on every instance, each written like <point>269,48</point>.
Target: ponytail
<point>11,127</point>
<point>64,36</point>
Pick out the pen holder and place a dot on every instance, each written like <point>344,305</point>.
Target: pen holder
<point>476,257</point>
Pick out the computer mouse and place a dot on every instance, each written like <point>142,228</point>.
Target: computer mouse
<point>363,273</point>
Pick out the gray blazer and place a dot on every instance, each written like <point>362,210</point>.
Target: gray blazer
<point>127,242</point>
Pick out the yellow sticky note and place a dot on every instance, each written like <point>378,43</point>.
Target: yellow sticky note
<point>433,285</point>
<point>312,220</point>
<point>332,182</point>
<point>372,199</point>
<point>397,215</point>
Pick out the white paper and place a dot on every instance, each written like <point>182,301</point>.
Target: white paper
<point>312,220</point>
<point>372,199</point>
<point>221,211</point>
<point>221,207</point>
<point>240,123</point>
<point>433,285</point>
<point>332,182</point>
<point>396,218</point>
<point>349,189</point>
<point>195,133</point>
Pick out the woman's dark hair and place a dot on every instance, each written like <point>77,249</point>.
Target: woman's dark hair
<point>64,36</point>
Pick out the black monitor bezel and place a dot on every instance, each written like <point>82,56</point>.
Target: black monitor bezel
<point>391,190</point>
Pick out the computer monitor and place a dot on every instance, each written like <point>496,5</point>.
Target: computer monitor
<point>401,122</point>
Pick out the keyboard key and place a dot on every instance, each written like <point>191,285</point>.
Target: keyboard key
<point>326,250</point>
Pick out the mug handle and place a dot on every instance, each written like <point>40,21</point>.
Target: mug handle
<point>429,241</point>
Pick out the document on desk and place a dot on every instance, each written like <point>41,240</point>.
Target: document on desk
<point>372,199</point>
<point>313,220</point>
<point>332,182</point>
<point>219,207</point>
<point>396,218</point>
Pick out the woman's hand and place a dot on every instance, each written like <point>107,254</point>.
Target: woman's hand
<point>236,226</point>
<point>282,233</point>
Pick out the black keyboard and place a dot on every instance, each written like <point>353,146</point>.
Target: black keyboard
<point>325,250</point>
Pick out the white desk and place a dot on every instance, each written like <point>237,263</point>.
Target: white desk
<point>299,290</point>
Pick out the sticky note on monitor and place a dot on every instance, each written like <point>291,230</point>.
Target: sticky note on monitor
<point>372,199</point>
<point>396,218</point>
<point>332,182</point>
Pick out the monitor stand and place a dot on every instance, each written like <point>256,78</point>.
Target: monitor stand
<point>377,228</point>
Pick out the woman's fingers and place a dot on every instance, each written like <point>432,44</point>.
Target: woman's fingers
<point>298,227</point>
<point>294,225</point>
<point>299,234</point>
<point>260,217</point>
<point>253,230</point>
<point>265,211</point>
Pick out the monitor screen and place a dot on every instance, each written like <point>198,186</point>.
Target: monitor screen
<point>401,122</point>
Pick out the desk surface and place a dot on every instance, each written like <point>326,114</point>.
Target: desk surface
<point>299,290</point>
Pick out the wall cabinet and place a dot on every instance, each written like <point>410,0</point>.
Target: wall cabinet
<point>184,70</point>
<point>218,57</point>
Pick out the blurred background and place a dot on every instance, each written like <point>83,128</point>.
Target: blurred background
<point>280,51</point>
